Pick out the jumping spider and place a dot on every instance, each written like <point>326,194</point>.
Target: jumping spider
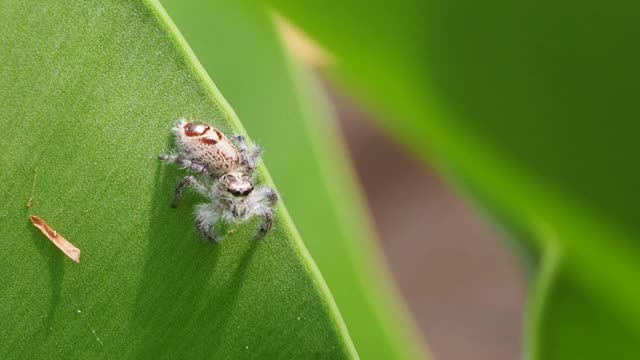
<point>225,176</point>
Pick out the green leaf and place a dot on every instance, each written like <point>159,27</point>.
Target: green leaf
<point>280,104</point>
<point>89,92</point>
<point>563,314</point>
<point>532,106</point>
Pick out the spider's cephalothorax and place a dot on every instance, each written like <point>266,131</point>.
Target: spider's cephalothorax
<point>225,176</point>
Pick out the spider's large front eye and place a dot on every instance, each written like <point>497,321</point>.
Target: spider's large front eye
<point>195,129</point>
<point>243,192</point>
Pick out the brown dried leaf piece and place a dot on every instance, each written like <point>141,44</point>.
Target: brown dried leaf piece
<point>68,248</point>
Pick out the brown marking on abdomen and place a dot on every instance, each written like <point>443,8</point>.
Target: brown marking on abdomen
<point>209,141</point>
<point>218,133</point>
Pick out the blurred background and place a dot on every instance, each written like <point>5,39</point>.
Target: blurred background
<point>461,281</point>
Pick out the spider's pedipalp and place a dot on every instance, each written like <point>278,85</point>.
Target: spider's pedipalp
<point>266,196</point>
<point>206,218</point>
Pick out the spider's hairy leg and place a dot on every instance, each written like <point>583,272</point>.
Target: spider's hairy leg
<point>267,198</point>
<point>252,158</point>
<point>250,155</point>
<point>206,217</point>
<point>271,196</point>
<point>184,163</point>
<point>241,144</point>
<point>187,181</point>
<point>266,225</point>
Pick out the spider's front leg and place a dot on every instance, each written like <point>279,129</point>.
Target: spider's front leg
<point>267,198</point>
<point>187,181</point>
<point>267,224</point>
<point>206,217</point>
<point>184,163</point>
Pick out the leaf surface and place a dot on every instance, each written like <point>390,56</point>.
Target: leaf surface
<point>89,92</point>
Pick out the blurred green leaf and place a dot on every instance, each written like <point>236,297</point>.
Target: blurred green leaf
<point>533,105</point>
<point>89,91</point>
<point>279,104</point>
<point>565,315</point>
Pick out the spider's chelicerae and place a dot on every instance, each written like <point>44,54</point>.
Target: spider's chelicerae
<point>224,174</point>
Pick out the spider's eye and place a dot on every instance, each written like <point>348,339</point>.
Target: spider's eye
<point>244,192</point>
<point>195,129</point>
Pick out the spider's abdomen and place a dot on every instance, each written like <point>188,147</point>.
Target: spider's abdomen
<point>206,145</point>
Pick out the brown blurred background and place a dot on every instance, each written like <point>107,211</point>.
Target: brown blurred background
<point>463,286</point>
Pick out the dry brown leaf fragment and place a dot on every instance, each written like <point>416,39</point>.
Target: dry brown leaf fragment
<point>68,248</point>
